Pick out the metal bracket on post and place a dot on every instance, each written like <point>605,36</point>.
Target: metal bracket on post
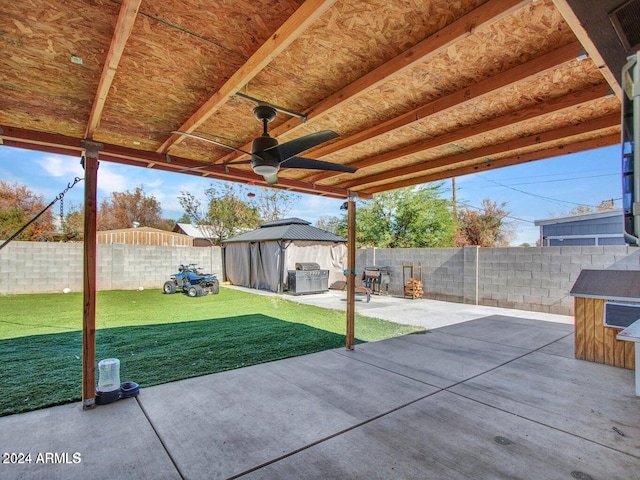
<point>92,148</point>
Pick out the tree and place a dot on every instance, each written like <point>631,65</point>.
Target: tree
<point>126,209</point>
<point>486,227</point>
<point>410,217</point>
<point>73,223</point>
<point>331,223</point>
<point>226,213</point>
<point>274,204</point>
<point>18,205</point>
<point>583,209</point>
<point>184,218</point>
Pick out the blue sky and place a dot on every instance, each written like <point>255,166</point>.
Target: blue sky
<point>532,191</point>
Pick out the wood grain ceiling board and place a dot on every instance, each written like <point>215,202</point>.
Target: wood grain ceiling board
<point>404,83</point>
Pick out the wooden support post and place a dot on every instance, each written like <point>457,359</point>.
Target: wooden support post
<point>351,274</point>
<point>92,150</point>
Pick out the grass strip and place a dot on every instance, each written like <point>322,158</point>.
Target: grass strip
<point>158,338</point>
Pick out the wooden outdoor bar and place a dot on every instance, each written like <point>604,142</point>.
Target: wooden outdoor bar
<point>595,341</point>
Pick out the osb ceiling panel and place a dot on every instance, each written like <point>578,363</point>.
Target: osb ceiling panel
<point>417,91</point>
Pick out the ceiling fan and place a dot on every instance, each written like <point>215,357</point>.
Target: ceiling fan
<point>268,157</point>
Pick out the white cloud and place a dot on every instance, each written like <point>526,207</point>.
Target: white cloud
<point>61,166</point>
<point>111,181</point>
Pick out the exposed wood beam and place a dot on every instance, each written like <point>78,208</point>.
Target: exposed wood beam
<point>487,152</point>
<point>510,119</point>
<point>517,74</point>
<point>90,246</point>
<point>40,139</point>
<point>488,164</point>
<point>295,25</point>
<point>475,21</point>
<point>351,272</point>
<point>581,33</point>
<point>47,142</point>
<point>124,26</point>
<point>221,172</point>
<point>39,147</point>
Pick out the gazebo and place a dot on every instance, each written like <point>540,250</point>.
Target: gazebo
<point>262,257</point>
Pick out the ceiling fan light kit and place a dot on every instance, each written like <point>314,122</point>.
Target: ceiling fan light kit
<point>266,170</point>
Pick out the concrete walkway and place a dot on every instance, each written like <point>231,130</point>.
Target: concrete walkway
<point>492,397</point>
<point>423,312</point>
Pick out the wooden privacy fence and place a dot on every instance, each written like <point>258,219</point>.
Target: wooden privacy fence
<point>144,236</point>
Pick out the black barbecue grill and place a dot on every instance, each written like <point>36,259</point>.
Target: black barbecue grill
<point>377,279</point>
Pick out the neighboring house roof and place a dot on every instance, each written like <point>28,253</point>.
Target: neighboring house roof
<point>196,231</point>
<point>615,212</point>
<point>287,229</point>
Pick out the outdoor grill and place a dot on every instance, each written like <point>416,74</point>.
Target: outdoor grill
<point>307,266</point>
<point>377,279</point>
<point>308,278</point>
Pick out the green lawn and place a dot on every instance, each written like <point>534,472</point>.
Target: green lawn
<point>158,338</point>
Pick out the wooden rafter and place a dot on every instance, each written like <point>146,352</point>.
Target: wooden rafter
<point>519,73</point>
<point>128,156</point>
<point>124,26</point>
<point>581,33</point>
<point>221,172</point>
<point>484,154</point>
<point>295,25</point>
<point>356,40</point>
<point>546,108</point>
<point>486,165</point>
<point>478,19</point>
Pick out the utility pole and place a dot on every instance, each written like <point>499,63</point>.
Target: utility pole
<point>454,201</point>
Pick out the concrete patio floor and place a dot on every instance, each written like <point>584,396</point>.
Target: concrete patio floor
<point>491,395</point>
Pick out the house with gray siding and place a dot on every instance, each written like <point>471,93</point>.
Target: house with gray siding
<point>588,229</point>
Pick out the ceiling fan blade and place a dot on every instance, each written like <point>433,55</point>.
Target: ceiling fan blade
<point>294,147</point>
<point>205,139</point>
<point>308,163</point>
<point>271,179</point>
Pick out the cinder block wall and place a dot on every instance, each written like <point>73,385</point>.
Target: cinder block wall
<point>45,267</point>
<point>526,278</point>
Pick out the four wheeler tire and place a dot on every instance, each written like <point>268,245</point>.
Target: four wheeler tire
<point>215,287</point>
<point>169,287</point>
<point>195,291</point>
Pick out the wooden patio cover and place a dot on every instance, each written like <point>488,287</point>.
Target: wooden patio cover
<point>418,90</point>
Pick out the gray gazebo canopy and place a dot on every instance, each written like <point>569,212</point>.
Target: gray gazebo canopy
<point>260,258</point>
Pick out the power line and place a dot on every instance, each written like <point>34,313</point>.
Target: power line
<point>560,173</point>
<point>536,195</point>
<point>566,179</point>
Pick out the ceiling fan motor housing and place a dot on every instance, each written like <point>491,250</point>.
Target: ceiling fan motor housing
<point>262,156</point>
